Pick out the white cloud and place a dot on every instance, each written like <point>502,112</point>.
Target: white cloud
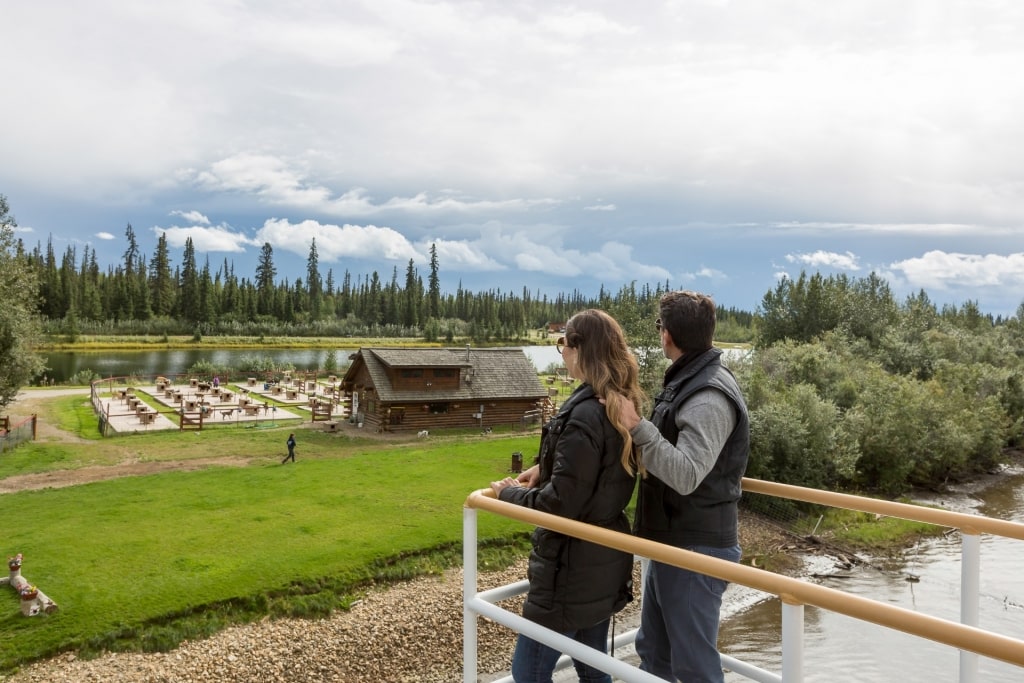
<point>600,207</point>
<point>828,259</point>
<point>460,255</point>
<point>104,236</point>
<point>336,242</point>
<point>704,273</point>
<point>262,175</point>
<point>276,182</point>
<point>194,217</point>
<point>205,240</point>
<point>941,270</point>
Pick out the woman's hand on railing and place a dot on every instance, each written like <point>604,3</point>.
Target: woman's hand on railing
<point>499,486</point>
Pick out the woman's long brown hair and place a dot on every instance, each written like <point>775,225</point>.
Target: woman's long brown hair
<point>606,363</point>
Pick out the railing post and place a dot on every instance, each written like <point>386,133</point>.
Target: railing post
<point>469,590</point>
<point>792,641</point>
<point>970,592</point>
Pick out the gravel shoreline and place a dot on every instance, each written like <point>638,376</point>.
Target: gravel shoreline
<point>410,631</point>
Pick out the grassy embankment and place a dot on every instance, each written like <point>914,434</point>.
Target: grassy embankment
<point>144,562</point>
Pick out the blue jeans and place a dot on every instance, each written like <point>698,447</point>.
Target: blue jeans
<point>534,662</point>
<point>678,634</point>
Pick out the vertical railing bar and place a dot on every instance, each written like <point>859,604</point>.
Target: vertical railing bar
<point>970,598</point>
<point>792,642</point>
<point>469,586</point>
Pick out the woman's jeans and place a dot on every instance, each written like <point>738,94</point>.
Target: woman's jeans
<point>678,635</point>
<point>534,662</point>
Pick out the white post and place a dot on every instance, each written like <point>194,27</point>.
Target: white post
<point>970,591</point>
<point>792,642</point>
<point>469,590</point>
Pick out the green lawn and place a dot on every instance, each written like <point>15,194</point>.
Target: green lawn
<point>142,562</point>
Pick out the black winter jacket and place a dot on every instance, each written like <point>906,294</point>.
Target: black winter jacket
<point>574,583</point>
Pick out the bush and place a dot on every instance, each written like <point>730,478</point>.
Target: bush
<point>83,377</point>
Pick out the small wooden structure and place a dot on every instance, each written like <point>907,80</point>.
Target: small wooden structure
<point>411,389</point>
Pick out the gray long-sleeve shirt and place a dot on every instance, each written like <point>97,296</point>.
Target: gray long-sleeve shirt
<point>705,422</point>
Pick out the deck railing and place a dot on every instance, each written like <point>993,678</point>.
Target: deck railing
<point>793,593</point>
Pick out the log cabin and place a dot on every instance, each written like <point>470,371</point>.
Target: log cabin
<point>409,389</point>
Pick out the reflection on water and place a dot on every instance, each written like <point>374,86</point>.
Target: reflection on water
<point>838,648</point>
<point>61,366</point>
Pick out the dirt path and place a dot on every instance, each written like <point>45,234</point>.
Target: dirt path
<point>33,402</point>
<point>84,475</point>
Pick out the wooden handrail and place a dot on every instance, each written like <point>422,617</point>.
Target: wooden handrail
<point>967,523</point>
<point>789,590</point>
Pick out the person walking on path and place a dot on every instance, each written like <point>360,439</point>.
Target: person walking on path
<point>291,449</point>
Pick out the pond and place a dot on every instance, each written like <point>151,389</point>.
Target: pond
<point>62,365</point>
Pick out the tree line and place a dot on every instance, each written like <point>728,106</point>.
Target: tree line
<point>153,295</point>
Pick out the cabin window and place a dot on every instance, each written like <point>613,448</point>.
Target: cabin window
<point>410,374</point>
<point>444,372</point>
<point>439,408</point>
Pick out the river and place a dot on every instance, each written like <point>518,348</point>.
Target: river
<point>62,365</point>
<point>838,648</point>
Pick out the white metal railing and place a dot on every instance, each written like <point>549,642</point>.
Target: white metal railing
<point>794,594</point>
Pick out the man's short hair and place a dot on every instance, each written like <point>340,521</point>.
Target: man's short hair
<point>689,318</point>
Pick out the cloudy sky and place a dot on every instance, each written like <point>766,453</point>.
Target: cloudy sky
<point>712,144</point>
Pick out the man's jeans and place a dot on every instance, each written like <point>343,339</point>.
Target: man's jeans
<point>534,662</point>
<point>678,635</point>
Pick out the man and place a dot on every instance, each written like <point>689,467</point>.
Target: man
<point>695,448</point>
<point>291,449</point>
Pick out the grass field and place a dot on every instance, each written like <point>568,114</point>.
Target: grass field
<point>143,562</point>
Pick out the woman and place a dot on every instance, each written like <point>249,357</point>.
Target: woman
<point>584,471</point>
